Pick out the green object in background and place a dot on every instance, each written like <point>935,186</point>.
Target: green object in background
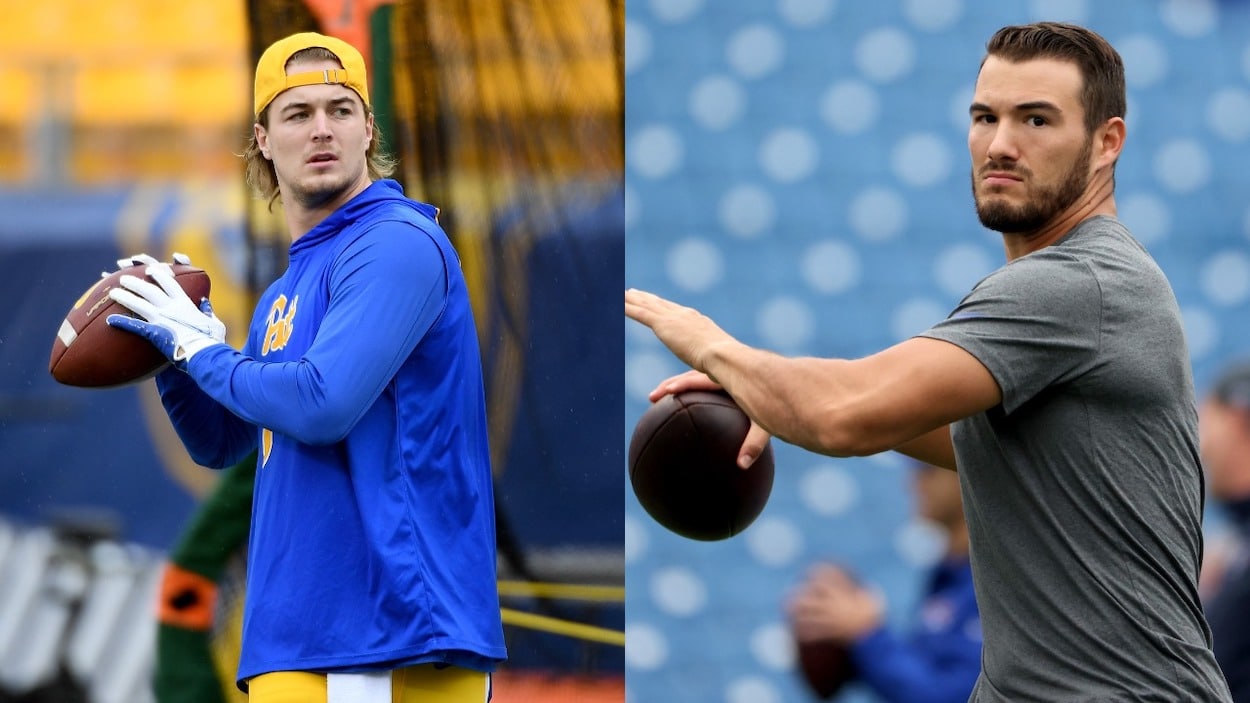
<point>185,672</point>
<point>185,668</point>
<point>381,92</point>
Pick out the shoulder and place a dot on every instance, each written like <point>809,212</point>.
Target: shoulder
<point>395,227</point>
<point>1043,277</point>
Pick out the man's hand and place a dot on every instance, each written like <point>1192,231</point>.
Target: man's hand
<point>830,605</point>
<point>757,437</point>
<point>689,334</point>
<point>682,382</point>
<point>174,324</point>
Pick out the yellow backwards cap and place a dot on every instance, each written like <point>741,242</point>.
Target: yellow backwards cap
<point>271,77</point>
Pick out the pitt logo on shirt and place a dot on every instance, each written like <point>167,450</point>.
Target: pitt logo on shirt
<point>280,323</point>
<point>266,445</point>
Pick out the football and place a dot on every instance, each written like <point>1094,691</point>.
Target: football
<point>86,352</point>
<point>825,667</point>
<point>683,466</point>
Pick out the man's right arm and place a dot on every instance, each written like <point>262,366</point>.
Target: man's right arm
<point>904,397</point>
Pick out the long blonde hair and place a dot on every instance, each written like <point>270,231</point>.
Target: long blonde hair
<point>260,173</point>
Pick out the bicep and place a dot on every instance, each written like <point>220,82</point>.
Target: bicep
<point>933,447</point>
<point>918,387</point>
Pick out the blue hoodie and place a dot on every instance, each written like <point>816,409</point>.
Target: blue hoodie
<point>373,533</point>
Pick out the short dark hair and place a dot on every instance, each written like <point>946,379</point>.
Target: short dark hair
<point>1103,94</point>
<point>1232,386</point>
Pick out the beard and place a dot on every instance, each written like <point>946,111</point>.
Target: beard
<point>1050,200</point>
<point>313,195</point>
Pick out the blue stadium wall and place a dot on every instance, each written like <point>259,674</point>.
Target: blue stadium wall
<point>71,453</point>
<point>797,169</point>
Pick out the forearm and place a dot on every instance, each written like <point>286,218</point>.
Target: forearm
<point>900,398</point>
<point>315,403</point>
<point>212,435</point>
<point>808,402</point>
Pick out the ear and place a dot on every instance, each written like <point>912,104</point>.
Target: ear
<point>369,128</point>
<point>262,139</point>
<point>1109,142</point>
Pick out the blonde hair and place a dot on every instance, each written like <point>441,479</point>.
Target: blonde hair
<point>259,171</point>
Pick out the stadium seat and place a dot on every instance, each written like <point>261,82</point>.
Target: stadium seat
<point>18,111</point>
<point>212,94</point>
<point>31,31</point>
<point>122,95</point>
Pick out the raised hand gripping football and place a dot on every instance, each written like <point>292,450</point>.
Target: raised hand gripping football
<point>172,322</point>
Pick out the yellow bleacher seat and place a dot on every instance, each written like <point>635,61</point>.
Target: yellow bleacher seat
<point>195,30</point>
<point>18,110</point>
<point>21,94</point>
<point>96,31</point>
<point>122,95</point>
<point>215,94</point>
<point>148,88</point>
<point>31,31</point>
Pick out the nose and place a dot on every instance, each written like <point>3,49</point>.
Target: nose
<point>321,126</point>
<point>1002,146</point>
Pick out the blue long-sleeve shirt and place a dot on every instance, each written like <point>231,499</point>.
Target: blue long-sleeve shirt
<point>939,660</point>
<point>373,530</point>
<point>1228,610</point>
<point>387,292</point>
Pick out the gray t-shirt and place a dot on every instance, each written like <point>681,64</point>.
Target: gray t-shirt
<point>1083,489</point>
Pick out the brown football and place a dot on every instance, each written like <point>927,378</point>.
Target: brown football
<point>683,466</point>
<point>825,666</point>
<point>88,353</point>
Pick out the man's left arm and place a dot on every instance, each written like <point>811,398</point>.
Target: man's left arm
<point>388,290</point>
<point>938,670</point>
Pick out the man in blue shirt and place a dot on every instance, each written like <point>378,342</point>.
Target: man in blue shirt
<point>938,661</point>
<point>371,559</point>
<point>1224,439</point>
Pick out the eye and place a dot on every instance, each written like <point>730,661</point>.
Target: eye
<point>296,116</point>
<point>1036,121</point>
<point>343,111</point>
<point>984,118</point>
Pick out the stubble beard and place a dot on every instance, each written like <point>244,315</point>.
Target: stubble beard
<point>312,197</point>
<point>1000,216</point>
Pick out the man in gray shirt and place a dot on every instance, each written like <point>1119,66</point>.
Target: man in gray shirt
<point>1060,388</point>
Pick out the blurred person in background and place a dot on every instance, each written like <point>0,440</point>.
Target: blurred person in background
<point>371,571</point>
<point>1060,388</point>
<point>1224,435</point>
<point>938,660</point>
<point>189,602</point>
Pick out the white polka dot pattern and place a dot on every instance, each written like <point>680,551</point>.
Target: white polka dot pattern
<point>717,102</point>
<point>798,171</point>
<point>746,211</point>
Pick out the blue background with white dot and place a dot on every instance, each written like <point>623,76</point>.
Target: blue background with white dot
<point>798,170</point>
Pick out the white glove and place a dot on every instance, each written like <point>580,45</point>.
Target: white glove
<point>175,325</point>
<point>146,260</point>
